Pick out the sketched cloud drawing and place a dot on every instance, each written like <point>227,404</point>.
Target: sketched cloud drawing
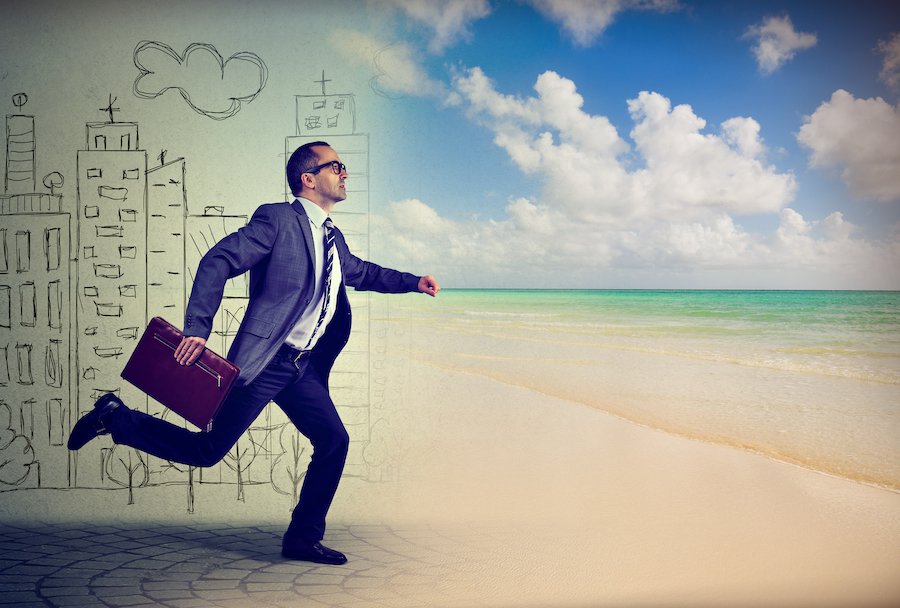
<point>212,86</point>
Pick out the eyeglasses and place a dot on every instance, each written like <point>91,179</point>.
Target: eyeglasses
<point>337,167</point>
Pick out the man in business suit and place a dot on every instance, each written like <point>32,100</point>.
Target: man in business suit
<point>296,324</point>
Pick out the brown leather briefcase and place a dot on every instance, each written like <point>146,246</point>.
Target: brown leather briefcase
<point>194,392</point>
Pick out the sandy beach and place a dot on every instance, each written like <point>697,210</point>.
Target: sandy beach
<point>601,511</point>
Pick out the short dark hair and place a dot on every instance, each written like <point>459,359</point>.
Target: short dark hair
<point>302,160</point>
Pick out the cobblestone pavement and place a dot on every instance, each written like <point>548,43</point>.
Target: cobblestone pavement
<point>234,565</point>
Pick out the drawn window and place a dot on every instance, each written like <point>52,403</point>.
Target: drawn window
<point>115,194</point>
<point>339,104</point>
<point>107,271</point>
<point>27,304</point>
<point>125,142</point>
<point>131,174</point>
<point>108,310</point>
<point>23,364</point>
<point>53,365</point>
<point>127,215</point>
<point>91,211</point>
<point>91,292</point>
<point>54,304</point>
<point>26,418</point>
<point>115,231</point>
<point>94,173</point>
<point>4,259</point>
<point>52,248</point>
<point>129,333</point>
<point>5,306</point>
<point>100,142</point>
<point>56,421</point>
<point>128,291</point>
<point>127,252</point>
<point>106,352</point>
<point>318,105</point>
<point>23,251</point>
<point>89,252</point>
<point>4,366</point>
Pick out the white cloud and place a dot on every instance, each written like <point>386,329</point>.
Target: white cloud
<point>536,246</point>
<point>689,172</point>
<point>836,228</point>
<point>777,42</point>
<point>890,68</point>
<point>448,20</point>
<point>743,135</point>
<point>609,212</point>
<point>584,161</point>
<point>825,247</point>
<point>860,136</point>
<point>586,20</point>
<point>395,65</point>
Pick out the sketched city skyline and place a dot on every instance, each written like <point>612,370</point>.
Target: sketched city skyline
<point>79,280</point>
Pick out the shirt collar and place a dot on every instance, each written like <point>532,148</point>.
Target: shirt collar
<point>315,213</point>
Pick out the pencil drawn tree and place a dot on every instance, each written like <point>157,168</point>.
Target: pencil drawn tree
<point>125,466</point>
<point>239,460</point>
<point>289,467</point>
<point>16,453</point>
<point>385,452</point>
<point>54,181</point>
<point>183,468</point>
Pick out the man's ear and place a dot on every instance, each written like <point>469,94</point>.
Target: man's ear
<point>308,181</point>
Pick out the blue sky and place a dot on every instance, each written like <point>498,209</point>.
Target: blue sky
<point>530,143</point>
<point>765,215</point>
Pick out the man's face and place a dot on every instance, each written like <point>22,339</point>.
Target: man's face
<point>330,185</point>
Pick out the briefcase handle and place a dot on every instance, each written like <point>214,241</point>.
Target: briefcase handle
<point>199,364</point>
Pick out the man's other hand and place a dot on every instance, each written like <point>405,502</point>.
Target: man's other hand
<point>189,350</point>
<point>428,284</point>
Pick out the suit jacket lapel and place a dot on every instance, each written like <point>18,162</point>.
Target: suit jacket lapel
<point>303,219</point>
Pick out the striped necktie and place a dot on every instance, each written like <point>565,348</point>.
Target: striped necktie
<point>326,276</point>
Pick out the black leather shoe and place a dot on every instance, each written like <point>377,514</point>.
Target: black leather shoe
<point>312,552</point>
<point>93,424</point>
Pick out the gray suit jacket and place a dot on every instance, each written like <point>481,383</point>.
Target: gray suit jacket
<point>276,247</point>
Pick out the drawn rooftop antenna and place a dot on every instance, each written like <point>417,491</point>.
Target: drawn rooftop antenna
<point>322,81</point>
<point>110,108</point>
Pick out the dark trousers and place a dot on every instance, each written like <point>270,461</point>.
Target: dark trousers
<point>300,392</point>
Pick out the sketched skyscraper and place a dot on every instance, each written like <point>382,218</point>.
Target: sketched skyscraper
<point>111,293</point>
<point>332,118</point>
<point>35,322</point>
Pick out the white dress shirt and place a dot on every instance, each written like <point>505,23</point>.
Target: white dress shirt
<point>300,335</point>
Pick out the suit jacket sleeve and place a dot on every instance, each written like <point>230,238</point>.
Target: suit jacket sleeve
<point>233,255</point>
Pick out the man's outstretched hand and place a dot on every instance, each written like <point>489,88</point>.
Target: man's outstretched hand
<point>428,284</point>
<point>189,349</point>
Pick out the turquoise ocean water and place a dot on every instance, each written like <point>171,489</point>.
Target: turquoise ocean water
<point>811,377</point>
